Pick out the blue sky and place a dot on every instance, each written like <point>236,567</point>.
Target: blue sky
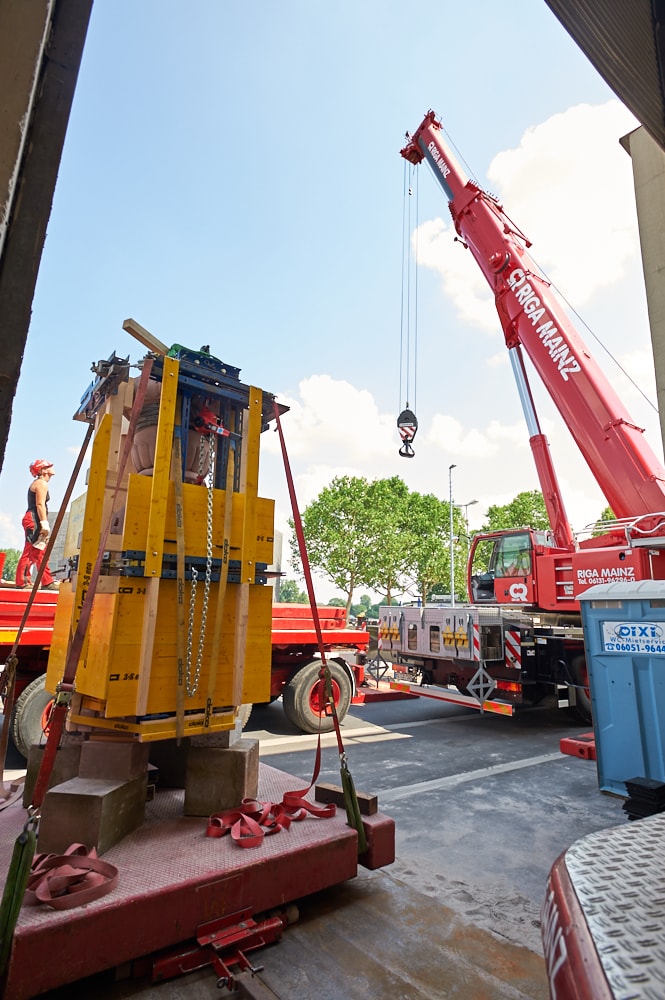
<point>231,176</point>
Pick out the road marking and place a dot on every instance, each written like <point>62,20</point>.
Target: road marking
<point>304,741</point>
<point>406,791</point>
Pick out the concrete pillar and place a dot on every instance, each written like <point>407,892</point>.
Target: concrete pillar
<point>649,177</point>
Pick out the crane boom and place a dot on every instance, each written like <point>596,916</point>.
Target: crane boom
<point>623,464</point>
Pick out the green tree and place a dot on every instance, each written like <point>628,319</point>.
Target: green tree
<point>12,557</point>
<point>290,593</point>
<point>607,515</point>
<point>526,510</point>
<point>427,545</point>
<point>337,529</point>
<point>389,499</point>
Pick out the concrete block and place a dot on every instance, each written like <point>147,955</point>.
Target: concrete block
<point>114,760</point>
<point>219,779</point>
<point>90,811</point>
<point>223,738</point>
<point>66,766</point>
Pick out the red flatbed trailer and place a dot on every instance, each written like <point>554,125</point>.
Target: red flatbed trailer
<point>176,886</point>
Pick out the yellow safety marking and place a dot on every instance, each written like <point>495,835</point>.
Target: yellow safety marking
<point>462,637</point>
<point>498,709</point>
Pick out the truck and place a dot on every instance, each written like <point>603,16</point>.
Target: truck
<point>296,663</point>
<point>519,636</point>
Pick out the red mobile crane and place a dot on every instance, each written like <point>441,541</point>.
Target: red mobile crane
<point>522,631</point>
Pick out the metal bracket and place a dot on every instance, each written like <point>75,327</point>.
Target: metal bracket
<point>222,944</point>
<point>481,684</point>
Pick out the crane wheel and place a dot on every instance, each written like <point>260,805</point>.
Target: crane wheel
<point>303,704</point>
<point>29,723</point>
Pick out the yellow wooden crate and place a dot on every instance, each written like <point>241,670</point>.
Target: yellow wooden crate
<point>195,509</point>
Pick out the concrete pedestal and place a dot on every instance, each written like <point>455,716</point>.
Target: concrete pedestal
<point>220,778</point>
<point>66,766</point>
<point>96,812</point>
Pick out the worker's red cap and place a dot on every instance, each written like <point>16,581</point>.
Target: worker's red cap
<point>39,465</point>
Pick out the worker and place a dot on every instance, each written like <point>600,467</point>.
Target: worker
<point>36,527</point>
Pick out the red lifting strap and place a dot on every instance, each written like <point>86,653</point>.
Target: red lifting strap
<point>63,881</point>
<point>253,820</point>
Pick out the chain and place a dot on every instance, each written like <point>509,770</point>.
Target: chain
<point>193,684</point>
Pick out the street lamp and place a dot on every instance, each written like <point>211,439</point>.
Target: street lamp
<point>452,545</point>
<point>465,508</point>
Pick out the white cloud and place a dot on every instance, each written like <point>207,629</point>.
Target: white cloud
<point>582,223</point>
<point>583,226</point>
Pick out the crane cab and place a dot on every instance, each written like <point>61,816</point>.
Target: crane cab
<point>501,566</point>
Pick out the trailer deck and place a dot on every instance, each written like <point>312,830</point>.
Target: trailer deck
<point>173,879</point>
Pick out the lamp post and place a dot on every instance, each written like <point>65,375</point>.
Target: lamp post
<point>465,508</point>
<point>452,544</point>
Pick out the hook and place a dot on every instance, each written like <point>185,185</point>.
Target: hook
<point>407,425</point>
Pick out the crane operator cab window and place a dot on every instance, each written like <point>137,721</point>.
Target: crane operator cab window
<point>513,556</point>
<point>498,557</point>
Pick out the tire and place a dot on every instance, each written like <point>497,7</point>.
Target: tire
<point>244,713</point>
<point>30,714</point>
<point>582,706</point>
<point>301,701</point>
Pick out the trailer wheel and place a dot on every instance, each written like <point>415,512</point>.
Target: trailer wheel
<point>302,703</point>
<point>582,706</point>
<point>30,716</point>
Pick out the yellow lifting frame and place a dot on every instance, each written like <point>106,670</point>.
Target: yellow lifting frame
<point>156,522</point>
<point>249,485</point>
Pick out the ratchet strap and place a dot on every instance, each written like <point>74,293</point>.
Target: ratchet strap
<point>350,798</point>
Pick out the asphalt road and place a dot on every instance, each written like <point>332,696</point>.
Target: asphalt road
<point>483,806</point>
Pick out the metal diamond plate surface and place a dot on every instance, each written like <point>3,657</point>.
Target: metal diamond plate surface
<point>619,879</point>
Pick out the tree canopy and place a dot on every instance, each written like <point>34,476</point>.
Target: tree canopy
<point>290,593</point>
<point>12,557</point>
<point>526,510</point>
<point>381,536</point>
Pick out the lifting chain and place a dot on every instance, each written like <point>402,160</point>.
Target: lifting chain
<point>192,684</point>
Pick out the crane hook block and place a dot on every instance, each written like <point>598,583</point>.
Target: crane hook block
<point>407,426</point>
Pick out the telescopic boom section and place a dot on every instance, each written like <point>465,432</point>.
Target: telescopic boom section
<point>624,466</point>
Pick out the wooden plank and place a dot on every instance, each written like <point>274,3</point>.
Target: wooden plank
<point>181,644</point>
<point>368,804</point>
<point>147,642</point>
<point>249,484</point>
<point>222,585</point>
<point>144,337</point>
<point>161,476</point>
<point>91,534</point>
